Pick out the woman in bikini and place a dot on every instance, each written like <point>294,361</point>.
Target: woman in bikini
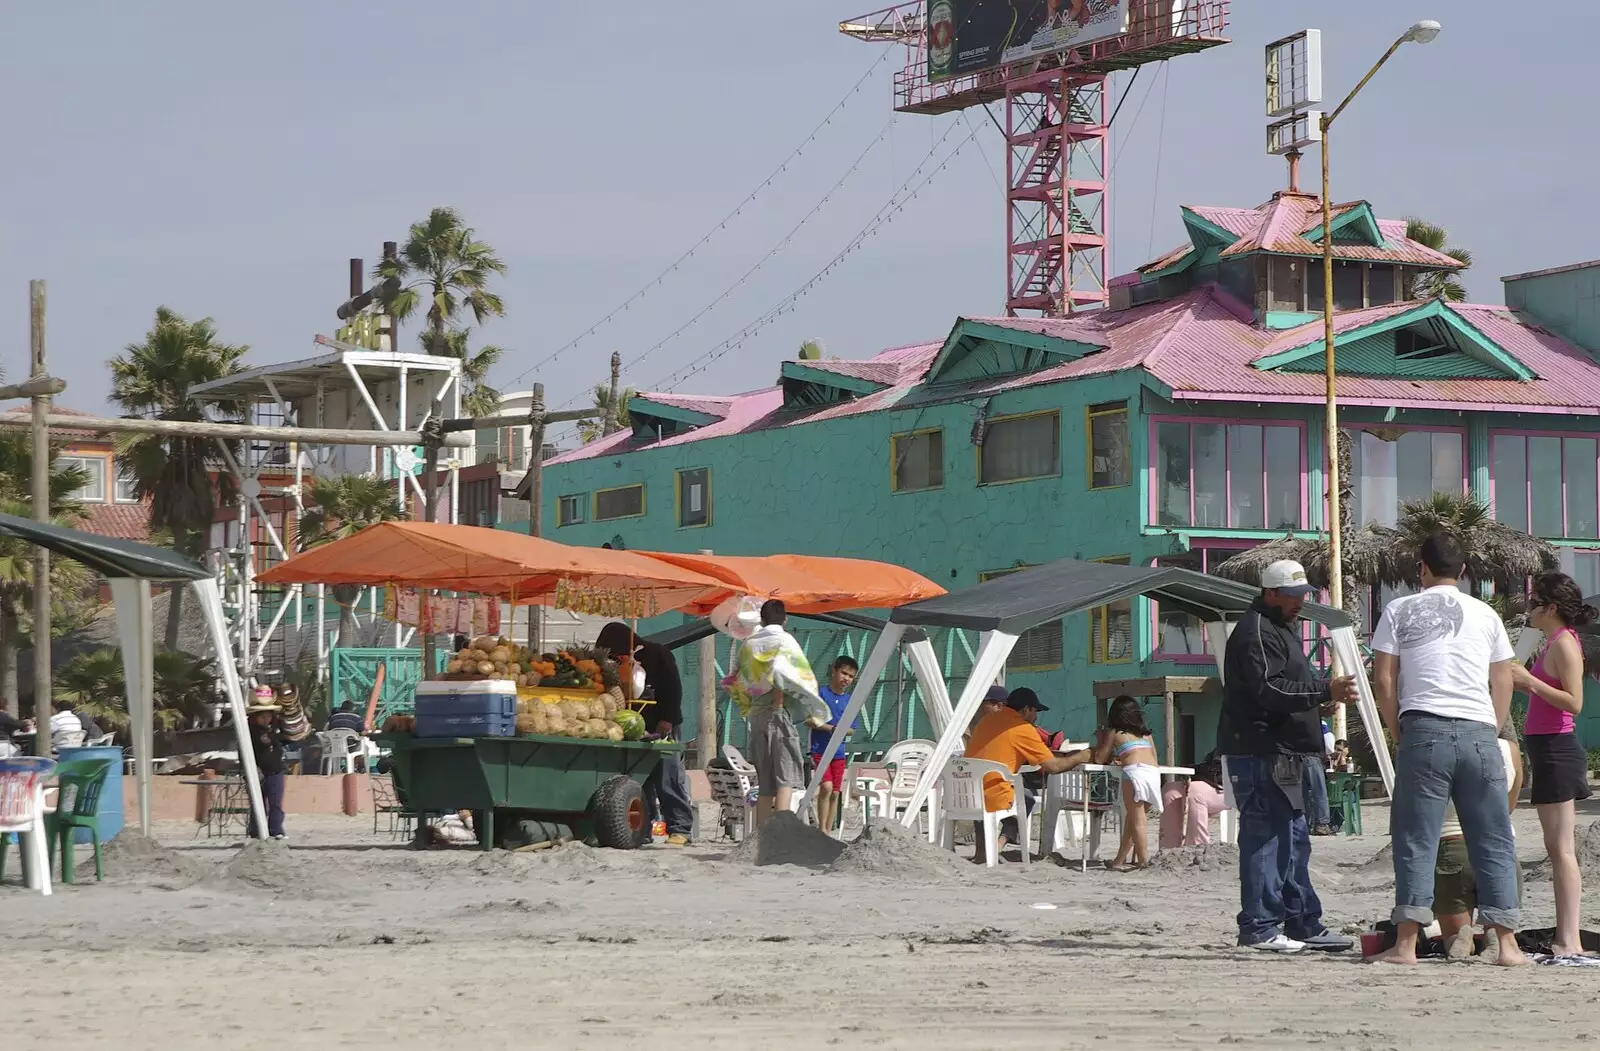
<point>1129,743</point>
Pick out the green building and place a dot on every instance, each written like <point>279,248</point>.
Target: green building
<point>1183,424</point>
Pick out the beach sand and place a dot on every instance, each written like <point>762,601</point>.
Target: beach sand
<point>346,939</point>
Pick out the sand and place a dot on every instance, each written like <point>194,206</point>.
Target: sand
<point>346,939</point>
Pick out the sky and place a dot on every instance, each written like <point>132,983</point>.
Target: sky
<point>227,160</point>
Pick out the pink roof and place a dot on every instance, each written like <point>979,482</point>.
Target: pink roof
<point>1282,224</point>
<point>1200,346</point>
<point>709,404</point>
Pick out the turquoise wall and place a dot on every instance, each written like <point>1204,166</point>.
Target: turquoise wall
<point>1566,302</point>
<point>825,488</point>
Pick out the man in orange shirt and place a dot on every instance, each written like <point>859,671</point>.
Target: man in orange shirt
<point>1009,737</point>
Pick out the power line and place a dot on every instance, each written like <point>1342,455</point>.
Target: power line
<point>721,224</point>
<point>886,214</point>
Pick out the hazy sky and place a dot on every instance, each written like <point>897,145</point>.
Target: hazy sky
<point>227,160</point>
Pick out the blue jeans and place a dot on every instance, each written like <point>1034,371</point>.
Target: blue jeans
<point>666,793</point>
<point>1314,784</point>
<point>1275,894</point>
<point>1438,761</point>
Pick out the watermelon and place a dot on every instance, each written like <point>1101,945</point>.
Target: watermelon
<point>632,724</point>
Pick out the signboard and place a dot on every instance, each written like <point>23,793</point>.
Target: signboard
<point>965,36</point>
<point>438,615</point>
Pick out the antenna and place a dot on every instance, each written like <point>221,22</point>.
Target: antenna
<point>1294,86</point>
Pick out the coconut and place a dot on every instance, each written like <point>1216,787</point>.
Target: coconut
<point>614,732</point>
<point>485,668</point>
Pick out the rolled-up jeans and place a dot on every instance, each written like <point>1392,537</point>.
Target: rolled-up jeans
<point>1440,760</point>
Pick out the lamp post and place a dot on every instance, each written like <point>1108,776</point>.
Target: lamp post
<point>1421,33</point>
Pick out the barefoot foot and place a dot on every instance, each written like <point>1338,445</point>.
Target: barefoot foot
<point>1405,958</point>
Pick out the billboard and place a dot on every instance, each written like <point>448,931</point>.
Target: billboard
<point>965,36</point>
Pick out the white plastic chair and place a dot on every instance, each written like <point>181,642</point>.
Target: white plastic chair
<point>336,750</point>
<point>102,741</point>
<point>961,799</point>
<point>69,739</point>
<point>22,810</point>
<point>906,760</point>
<point>1070,794</point>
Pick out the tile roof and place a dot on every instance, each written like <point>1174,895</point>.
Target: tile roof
<point>119,521</point>
<point>1282,225</point>
<point>63,432</point>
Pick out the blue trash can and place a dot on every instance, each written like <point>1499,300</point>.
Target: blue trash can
<point>108,818</point>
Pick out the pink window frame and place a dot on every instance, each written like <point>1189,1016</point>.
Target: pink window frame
<point>1460,432</point>
<point>1201,544</point>
<point>1527,474</point>
<point>1153,511</point>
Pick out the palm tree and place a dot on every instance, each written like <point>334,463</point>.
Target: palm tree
<point>1441,283</point>
<point>479,398</point>
<point>94,682</point>
<point>444,265</point>
<point>67,579</point>
<point>589,430</point>
<point>341,507</point>
<point>152,380</point>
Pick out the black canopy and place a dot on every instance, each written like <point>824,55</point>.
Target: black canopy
<point>700,627</point>
<point>1030,597</point>
<point>108,557</point>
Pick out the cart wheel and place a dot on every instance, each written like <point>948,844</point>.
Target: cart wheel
<point>618,812</point>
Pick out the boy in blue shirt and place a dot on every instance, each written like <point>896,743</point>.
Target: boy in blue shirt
<point>835,693</point>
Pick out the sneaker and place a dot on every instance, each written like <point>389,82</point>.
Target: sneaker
<point>677,839</point>
<point>280,835</point>
<point>1323,830</point>
<point>1327,941</point>
<point>1278,943</point>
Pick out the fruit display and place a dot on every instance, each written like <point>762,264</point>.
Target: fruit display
<point>575,668</point>
<point>601,717</point>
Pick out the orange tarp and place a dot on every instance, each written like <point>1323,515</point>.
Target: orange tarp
<point>807,583</point>
<point>489,562</point>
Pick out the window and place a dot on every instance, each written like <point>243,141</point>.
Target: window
<point>569,510</point>
<point>1037,649</point>
<point>917,461</point>
<point>1380,286</point>
<point>1585,569</point>
<point>1288,281</point>
<point>1228,475</point>
<point>1347,290</point>
<point>626,502</point>
<point>124,489</point>
<point>1389,467</point>
<point>1020,447</point>
<point>1546,485</point>
<point>1181,636</point>
<point>94,490</point>
<point>1111,627</point>
<point>1108,446</point>
<point>694,497</point>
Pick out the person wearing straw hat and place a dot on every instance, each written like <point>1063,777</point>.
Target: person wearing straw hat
<point>266,741</point>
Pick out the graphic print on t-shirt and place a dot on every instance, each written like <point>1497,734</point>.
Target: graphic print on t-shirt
<point>1429,617</point>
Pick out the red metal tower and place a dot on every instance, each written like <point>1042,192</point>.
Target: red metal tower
<point>1056,130</point>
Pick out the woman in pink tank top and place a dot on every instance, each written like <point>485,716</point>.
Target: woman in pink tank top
<point>1554,685</point>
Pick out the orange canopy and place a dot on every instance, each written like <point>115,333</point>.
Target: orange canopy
<point>807,583</point>
<point>489,562</point>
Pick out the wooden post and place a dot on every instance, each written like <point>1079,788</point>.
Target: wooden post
<point>41,513</point>
<point>705,742</point>
<point>536,499</point>
<point>1170,711</point>
<point>609,425</point>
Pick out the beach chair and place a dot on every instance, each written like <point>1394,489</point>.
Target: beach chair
<point>731,789</point>
<point>386,803</point>
<point>961,799</point>
<point>79,782</point>
<point>22,813</point>
<point>337,751</point>
<point>906,760</point>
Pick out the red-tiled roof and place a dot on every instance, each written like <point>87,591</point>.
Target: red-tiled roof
<point>118,521</point>
<point>64,432</point>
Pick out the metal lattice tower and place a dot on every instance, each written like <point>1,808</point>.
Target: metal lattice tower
<point>1056,130</point>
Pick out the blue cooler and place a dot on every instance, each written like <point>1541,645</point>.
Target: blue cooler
<point>485,708</point>
<point>108,817</point>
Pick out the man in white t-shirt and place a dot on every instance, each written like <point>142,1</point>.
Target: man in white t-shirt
<point>1442,665</point>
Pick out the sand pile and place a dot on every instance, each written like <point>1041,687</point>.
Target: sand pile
<point>1382,861</point>
<point>1218,857</point>
<point>888,848</point>
<point>1589,848</point>
<point>131,856</point>
<point>267,864</point>
<point>786,840</point>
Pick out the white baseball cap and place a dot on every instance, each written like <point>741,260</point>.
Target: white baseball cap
<point>1287,576</point>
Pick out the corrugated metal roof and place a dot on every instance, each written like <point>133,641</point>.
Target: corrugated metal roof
<point>1199,345</point>
<point>1281,225</point>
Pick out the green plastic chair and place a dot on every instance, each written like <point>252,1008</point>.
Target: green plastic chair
<point>79,781</point>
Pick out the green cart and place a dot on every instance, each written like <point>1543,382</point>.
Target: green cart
<point>593,787</point>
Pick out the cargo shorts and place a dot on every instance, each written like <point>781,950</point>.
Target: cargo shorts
<point>775,752</point>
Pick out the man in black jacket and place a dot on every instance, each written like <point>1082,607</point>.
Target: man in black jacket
<point>1271,726</point>
<point>666,790</point>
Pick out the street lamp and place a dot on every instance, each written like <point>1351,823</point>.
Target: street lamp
<point>1421,33</point>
